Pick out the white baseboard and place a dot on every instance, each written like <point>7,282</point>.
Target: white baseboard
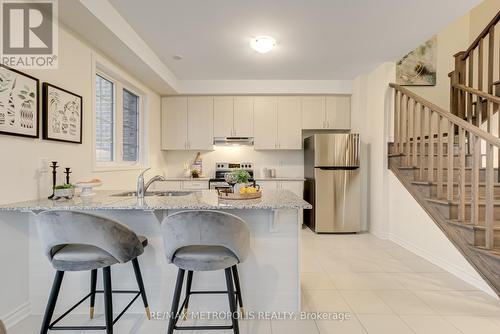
<point>473,280</point>
<point>17,315</point>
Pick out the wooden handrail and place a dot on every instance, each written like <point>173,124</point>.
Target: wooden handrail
<point>452,118</point>
<point>480,93</point>
<point>483,34</point>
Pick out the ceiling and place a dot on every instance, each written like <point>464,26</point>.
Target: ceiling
<point>317,39</point>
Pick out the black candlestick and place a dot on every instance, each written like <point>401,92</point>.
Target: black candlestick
<point>54,175</point>
<point>67,172</point>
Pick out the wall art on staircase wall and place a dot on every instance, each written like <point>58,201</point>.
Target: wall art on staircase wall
<point>418,68</point>
<point>62,114</point>
<point>19,115</point>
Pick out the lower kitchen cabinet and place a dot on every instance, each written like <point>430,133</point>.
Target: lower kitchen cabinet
<point>179,185</point>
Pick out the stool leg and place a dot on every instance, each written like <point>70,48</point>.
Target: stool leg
<point>93,283</point>
<point>51,304</point>
<point>175,301</point>
<point>140,283</point>
<point>108,299</point>
<point>232,300</point>
<point>236,278</point>
<point>189,282</point>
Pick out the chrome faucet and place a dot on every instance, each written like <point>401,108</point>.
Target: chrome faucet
<point>143,188</point>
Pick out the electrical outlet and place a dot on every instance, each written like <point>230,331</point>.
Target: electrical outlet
<point>44,165</point>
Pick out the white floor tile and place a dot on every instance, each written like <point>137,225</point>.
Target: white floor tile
<point>429,324</point>
<point>460,302</point>
<point>405,302</point>
<point>366,281</point>
<point>365,302</point>
<point>474,325</point>
<point>294,327</point>
<point>326,301</point>
<point>432,281</point>
<point>351,326</point>
<point>384,324</point>
<point>316,281</point>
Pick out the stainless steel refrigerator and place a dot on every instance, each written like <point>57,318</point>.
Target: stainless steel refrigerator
<point>333,183</point>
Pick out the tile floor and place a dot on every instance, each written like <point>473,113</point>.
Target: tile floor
<point>383,287</point>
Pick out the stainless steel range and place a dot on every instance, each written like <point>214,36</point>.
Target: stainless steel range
<point>221,168</point>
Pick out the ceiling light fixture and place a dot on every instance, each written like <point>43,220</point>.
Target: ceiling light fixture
<point>262,44</point>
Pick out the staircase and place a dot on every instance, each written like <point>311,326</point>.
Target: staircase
<point>449,160</point>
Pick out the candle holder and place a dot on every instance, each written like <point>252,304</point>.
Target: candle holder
<point>54,167</point>
<point>67,172</point>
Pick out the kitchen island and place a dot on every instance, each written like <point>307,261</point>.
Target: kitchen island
<point>270,276</point>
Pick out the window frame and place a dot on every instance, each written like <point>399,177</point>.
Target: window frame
<point>120,83</point>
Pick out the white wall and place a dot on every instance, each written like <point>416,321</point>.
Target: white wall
<point>20,180</point>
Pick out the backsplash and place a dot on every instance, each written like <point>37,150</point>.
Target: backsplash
<point>286,163</point>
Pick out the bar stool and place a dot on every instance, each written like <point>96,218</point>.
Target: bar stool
<point>77,241</point>
<point>205,241</point>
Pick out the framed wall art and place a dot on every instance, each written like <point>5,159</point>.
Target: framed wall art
<point>19,103</point>
<point>62,114</point>
<point>418,68</point>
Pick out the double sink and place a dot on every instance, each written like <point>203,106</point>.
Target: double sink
<point>153,193</point>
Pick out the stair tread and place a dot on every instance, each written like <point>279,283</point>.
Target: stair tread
<point>468,223</point>
<point>454,202</point>
<point>496,184</point>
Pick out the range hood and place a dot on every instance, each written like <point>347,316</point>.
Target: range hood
<point>233,141</point>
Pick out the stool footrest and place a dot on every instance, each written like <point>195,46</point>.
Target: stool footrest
<point>53,327</point>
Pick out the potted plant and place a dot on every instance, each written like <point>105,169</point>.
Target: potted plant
<point>241,177</point>
<point>64,190</point>
<point>195,173</point>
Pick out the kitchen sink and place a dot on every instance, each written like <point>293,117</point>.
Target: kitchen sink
<point>153,193</point>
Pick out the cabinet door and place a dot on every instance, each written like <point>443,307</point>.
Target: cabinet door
<point>297,187</point>
<point>265,123</point>
<point>195,185</point>
<point>174,123</point>
<point>166,186</point>
<point>200,123</point>
<point>313,112</point>
<point>243,116</point>
<point>338,112</point>
<point>223,116</point>
<point>289,123</point>
<point>268,185</point>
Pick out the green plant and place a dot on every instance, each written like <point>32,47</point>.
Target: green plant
<point>243,176</point>
<point>195,173</point>
<point>64,186</point>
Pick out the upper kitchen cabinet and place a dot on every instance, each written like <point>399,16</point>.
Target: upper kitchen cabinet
<point>187,123</point>
<point>233,116</point>
<point>265,123</point>
<point>338,112</point>
<point>174,121</point>
<point>289,123</point>
<point>243,116</point>
<point>223,116</point>
<point>277,123</point>
<point>328,113</point>
<point>313,112</point>
<point>200,123</point>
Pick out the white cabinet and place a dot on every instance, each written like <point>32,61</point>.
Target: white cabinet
<point>289,123</point>
<point>166,186</point>
<point>329,113</point>
<point>268,185</point>
<point>265,123</point>
<point>200,123</point>
<point>174,120</point>
<point>187,123</point>
<point>313,112</point>
<point>277,123</point>
<point>194,185</point>
<point>223,116</point>
<point>233,116</point>
<point>338,112</point>
<point>243,116</point>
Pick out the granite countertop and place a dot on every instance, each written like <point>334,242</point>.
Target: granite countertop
<point>205,199</point>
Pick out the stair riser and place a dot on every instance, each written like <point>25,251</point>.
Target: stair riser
<point>431,191</point>
<point>456,160</point>
<point>451,211</point>
<point>468,175</point>
<point>426,150</point>
<point>480,238</point>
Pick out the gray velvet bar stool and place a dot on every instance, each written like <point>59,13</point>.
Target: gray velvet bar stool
<point>77,241</point>
<point>205,241</point>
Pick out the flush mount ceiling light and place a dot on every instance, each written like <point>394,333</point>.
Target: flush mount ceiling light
<point>262,44</point>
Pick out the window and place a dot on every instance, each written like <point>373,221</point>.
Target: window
<point>117,123</point>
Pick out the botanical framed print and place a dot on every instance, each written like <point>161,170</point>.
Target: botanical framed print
<point>418,68</point>
<point>19,103</point>
<point>62,114</point>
